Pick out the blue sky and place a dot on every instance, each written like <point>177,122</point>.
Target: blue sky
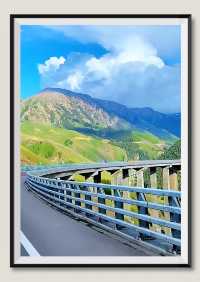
<point>138,66</point>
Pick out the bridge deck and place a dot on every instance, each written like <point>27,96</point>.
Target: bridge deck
<point>55,234</point>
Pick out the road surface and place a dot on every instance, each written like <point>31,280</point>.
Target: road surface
<point>53,233</point>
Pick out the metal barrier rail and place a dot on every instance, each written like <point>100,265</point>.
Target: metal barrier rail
<point>66,194</point>
<point>58,184</point>
<point>146,204</point>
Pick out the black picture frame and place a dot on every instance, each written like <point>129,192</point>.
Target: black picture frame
<point>13,17</point>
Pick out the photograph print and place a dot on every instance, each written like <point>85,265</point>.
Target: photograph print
<point>99,144</point>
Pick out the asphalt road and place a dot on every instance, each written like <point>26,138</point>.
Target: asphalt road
<point>53,233</point>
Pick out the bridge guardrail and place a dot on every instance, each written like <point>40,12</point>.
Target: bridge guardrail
<point>90,199</point>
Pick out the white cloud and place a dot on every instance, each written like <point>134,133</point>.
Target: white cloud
<point>72,82</point>
<point>134,85</point>
<point>108,63</point>
<point>131,72</point>
<point>164,38</point>
<point>52,64</point>
<point>136,78</point>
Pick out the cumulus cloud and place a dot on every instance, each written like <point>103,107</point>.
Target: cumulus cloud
<point>164,38</point>
<point>134,85</point>
<point>52,64</point>
<point>132,72</point>
<point>72,82</point>
<point>109,62</point>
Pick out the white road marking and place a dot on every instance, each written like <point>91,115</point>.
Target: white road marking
<point>28,246</point>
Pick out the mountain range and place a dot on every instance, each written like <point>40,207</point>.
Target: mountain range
<point>69,109</point>
<point>136,132</point>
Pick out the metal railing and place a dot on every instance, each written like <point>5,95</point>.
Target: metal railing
<point>114,209</point>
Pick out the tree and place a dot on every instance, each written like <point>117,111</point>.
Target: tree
<point>173,152</point>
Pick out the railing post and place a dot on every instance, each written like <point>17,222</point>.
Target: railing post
<point>117,179</point>
<point>166,186</point>
<point>173,176</point>
<point>174,202</point>
<point>58,190</point>
<point>133,195</point>
<point>170,181</point>
<point>72,193</point>
<point>88,197</point>
<point>141,197</point>
<point>132,177</point>
<point>97,179</point>
<point>91,198</point>
<point>69,193</point>
<point>62,192</point>
<point>126,174</point>
<point>82,196</point>
<point>63,185</point>
<point>77,195</point>
<point>154,184</point>
<point>65,193</point>
<point>166,181</point>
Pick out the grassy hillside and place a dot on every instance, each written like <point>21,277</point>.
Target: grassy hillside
<point>44,144</point>
<point>68,112</point>
<point>141,145</point>
<point>62,126</point>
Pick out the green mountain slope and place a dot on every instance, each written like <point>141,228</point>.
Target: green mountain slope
<point>165,126</point>
<point>68,127</point>
<point>44,144</point>
<point>62,108</point>
<point>68,112</point>
<point>141,145</point>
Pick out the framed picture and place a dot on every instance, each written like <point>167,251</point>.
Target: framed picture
<point>100,147</point>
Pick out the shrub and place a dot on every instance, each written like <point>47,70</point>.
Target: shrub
<point>68,142</point>
<point>43,149</point>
